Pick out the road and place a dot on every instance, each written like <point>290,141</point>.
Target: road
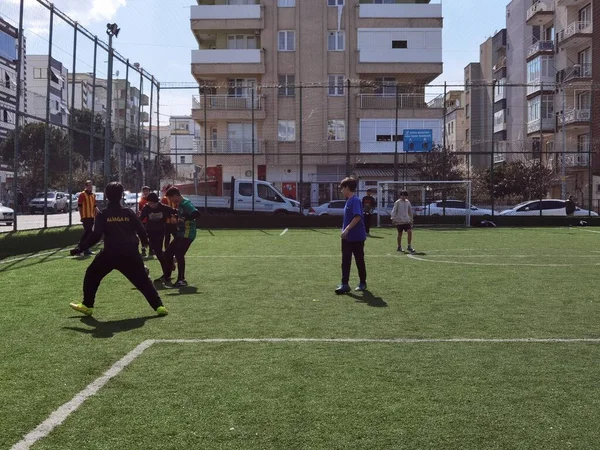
<point>34,221</point>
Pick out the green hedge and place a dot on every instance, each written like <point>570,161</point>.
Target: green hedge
<point>32,241</point>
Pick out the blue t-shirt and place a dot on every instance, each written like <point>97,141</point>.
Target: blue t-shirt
<point>354,208</point>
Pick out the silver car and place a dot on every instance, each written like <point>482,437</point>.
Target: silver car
<point>6,215</point>
<point>55,202</point>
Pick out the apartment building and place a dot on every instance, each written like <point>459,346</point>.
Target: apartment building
<point>39,67</point>
<point>319,43</point>
<point>184,137</point>
<point>456,124</point>
<point>9,36</point>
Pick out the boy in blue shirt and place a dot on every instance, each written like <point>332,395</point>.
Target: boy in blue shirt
<point>353,238</point>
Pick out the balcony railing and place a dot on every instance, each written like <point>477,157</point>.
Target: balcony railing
<point>574,116</point>
<point>573,29</point>
<point>388,101</point>
<point>226,102</point>
<point>539,7</point>
<point>538,125</point>
<point>499,158</point>
<point>225,12</point>
<point>578,71</point>
<point>229,146</point>
<point>397,11</point>
<point>574,159</point>
<point>540,46</point>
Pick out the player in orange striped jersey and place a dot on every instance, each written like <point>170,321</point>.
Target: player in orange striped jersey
<point>86,204</point>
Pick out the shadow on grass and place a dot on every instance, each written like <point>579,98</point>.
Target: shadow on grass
<point>188,290</point>
<point>8,266</point>
<point>103,330</point>
<point>370,299</point>
<point>375,237</point>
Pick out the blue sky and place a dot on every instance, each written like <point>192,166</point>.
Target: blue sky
<point>156,33</point>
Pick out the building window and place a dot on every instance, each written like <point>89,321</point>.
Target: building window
<point>8,46</point>
<point>336,85</point>
<point>399,44</point>
<point>286,131</point>
<point>286,41</point>
<point>335,2</point>
<point>385,86</point>
<point>286,3</point>
<point>540,107</point>
<point>336,130</point>
<point>39,73</point>
<point>182,159</point>
<point>241,42</point>
<point>335,41</point>
<point>467,136</point>
<point>467,110</point>
<point>286,86</point>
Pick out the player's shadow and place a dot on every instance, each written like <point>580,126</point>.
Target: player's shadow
<point>375,237</point>
<point>370,299</point>
<point>109,328</point>
<point>188,290</point>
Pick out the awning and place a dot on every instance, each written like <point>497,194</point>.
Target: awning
<point>384,173</point>
<point>57,73</point>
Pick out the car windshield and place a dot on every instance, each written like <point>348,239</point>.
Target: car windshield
<point>50,194</point>
<point>521,204</point>
<point>131,196</point>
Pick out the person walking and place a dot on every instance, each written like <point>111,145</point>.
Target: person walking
<point>353,238</point>
<point>368,204</point>
<point>402,217</point>
<point>86,204</point>
<point>570,208</point>
<point>121,229</point>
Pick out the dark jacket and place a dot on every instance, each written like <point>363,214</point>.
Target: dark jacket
<point>156,217</point>
<point>120,228</point>
<point>570,207</point>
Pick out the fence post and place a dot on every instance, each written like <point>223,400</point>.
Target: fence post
<point>139,129</point>
<point>150,132</point>
<point>108,128</point>
<point>253,183</point>
<point>300,148</point>
<point>348,129</point>
<point>492,152</point>
<point>93,121</point>
<point>123,156</point>
<point>396,138</point>
<point>206,151</point>
<point>18,118</point>
<point>158,156</point>
<point>72,123</point>
<point>47,129</point>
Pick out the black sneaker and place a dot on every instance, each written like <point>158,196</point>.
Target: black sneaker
<point>400,249</point>
<point>342,289</point>
<point>411,250</point>
<point>361,287</point>
<point>163,279</point>
<point>180,284</point>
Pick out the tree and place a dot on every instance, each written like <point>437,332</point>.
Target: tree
<point>439,165</point>
<point>82,124</point>
<point>30,163</point>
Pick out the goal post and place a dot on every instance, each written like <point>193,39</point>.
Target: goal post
<point>430,199</point>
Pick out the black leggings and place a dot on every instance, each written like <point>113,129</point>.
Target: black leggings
<point>170,232</point>
<point>358,250</point>
<point>156,242</point>
<point>129,264</point>
<point>177,248</point>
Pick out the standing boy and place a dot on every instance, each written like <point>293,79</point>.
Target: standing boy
<point>402,217</point>
<point>141,204</point>
<point>368,204</point>
<point>154,215</point>
<point>120,228</point>
<point>353,238</point>
<point>186,234</point>
<point>86,204</point>
<point>171,224</point>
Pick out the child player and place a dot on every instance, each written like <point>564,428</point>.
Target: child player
<point>402,217</point>
<point>154,215</point>
<point>141,204</point>
<point>121,229</point>
<point>186,234</point>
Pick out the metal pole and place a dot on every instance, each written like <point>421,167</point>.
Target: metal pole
<point>139,125</point>
<point>348,130</point>
<point>150,132</point>
<point>93,121</point>
<point>395,138</point>
<point>300,149</point>
<point>563,166</point>
<point>206,154</point>
<point>253,183</point>
<point>158,168</point>
<point>108,128</point>
<point>492,153</point>
<point>18,116</point>
<point>589,144</point>
<point>47,134</point>
<point>123,158</point>
<point>71,147</point>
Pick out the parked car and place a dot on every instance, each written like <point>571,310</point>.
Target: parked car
<point>56,202</point>
<point>75,200</point>
<point>132,199</point>
<point>334,208</point>
<point>545,207</point>
<point>6,215</point>
<point>100,203</point>
<point>451,207</point>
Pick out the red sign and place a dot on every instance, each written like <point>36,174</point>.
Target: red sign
<point>289,189</point>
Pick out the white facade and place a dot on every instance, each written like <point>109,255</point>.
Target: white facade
<point>377,135</point>
<point>38,69</point>
<point>400,45</point>
<point>184,132</point>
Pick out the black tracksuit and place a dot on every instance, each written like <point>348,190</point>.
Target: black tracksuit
<point>120,228</point>
<point>155,226</point>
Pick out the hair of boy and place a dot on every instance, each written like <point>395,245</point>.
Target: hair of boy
<point>152,197</point>
<point>145,188</point>
<point>114,192</point>
<point>349,183</point>
<point>173,192</point>
<point>404,193</point>
<point>88,182</point>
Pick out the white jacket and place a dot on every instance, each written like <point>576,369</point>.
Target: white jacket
<point>402,212</point>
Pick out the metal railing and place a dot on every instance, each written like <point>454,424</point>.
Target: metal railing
<point>574,116</point>
<point>574,160</point>
<point>573,29</point>
<point>578,71</point>
<point>540,46</point>
<point>539,7</point>
<point>388,101</point>
<point>229,146</point>
<point>227,102</point>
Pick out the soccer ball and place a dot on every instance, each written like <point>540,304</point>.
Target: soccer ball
<point>147,270</point>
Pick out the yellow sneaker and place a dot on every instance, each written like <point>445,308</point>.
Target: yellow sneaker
<point>82,308</point>
<point>162,311</point>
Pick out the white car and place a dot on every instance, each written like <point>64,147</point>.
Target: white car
<point>56,202</point>
<point>334,208</point>
<point>132,200</point>
<point>545,207</point>
<point>6,215</point>
<point>454,208</point>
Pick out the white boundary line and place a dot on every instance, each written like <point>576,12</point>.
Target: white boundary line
<point>37,255</point>
<point>284,231</point>
<point>60,415</point>
<point>589,231</point>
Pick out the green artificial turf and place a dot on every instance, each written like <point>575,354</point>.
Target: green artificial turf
<point>466,284</point>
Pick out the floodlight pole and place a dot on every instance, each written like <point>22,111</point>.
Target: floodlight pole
<point>111,30</point>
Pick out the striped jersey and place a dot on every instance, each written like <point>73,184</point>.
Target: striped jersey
<point>165,201</point>
<point>187,226</point>
<point>87,205</point>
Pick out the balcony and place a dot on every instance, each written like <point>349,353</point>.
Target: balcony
<point>225,107</point>
<point>399,11</point>
<point>540,48</point>
<point>545,84</point>
<point>227,17</point>
<point>578,72</point>
<point>575,35</point>
<point>574,160</point>
<point>405,101</point>
<point>230,146</point>
<point>228,61</point>
<point>499,158</point>
<point>576,117</point>
<point>144,117</point>
<point>145,100</point>
<point>540,14</point>
<point>540,126</point>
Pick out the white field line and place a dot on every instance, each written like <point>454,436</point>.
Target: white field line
<point>60,415</point>
<point>512,264</point>
<point>37,255</point>
<point>284,231</point>
<point>589,231</point>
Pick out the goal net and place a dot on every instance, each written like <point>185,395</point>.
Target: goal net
<point>433,202</point>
